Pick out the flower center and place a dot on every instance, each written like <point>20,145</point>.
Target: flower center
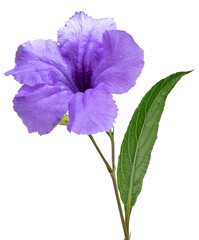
<point>82,79</point>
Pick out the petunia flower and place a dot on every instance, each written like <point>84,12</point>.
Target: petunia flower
<point>90,61</point>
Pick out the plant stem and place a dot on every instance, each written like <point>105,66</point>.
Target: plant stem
<point>119,205</point>
<point>100,153</point>
<point>111,135</point>
<point>113,177</point>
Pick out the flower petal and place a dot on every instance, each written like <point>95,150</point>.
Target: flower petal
<point>92,111</point>
<point>121,62</point>
<point>41,107</point>
<point>38,62</point>
<point>79,41</point>
<point>82,27</point>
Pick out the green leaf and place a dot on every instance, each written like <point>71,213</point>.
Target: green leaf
<point>139,141</point>
<point>64,120</point>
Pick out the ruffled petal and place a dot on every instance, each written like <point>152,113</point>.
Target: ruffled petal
<point>40,62</point>
<point>41,107</point>
<point>82,27</point>
<point>120,64</point>
<point>92,111</point>
<point>79,42</point>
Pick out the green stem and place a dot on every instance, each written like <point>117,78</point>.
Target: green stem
<point>119,205</point>
<point>111,135</point>
<point>100,153</point>
<point>113,177</point>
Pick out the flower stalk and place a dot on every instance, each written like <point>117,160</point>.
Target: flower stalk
<point>113,177</point>
<point>100,153</point>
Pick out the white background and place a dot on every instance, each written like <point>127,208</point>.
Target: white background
<point>56,186</point>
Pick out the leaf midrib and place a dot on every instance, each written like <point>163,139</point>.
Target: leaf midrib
<point>128,209</point>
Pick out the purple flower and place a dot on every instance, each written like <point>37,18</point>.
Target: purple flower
<point>79,73</point>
